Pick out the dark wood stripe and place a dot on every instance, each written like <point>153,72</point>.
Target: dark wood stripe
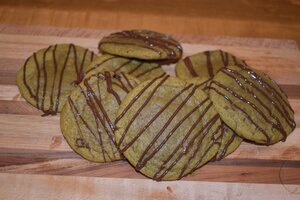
<point>28,156</point>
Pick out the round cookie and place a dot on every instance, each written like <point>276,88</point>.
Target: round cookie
<point>167,128</point>
<point>141,44</point>
<point>230,141</point>
<point>252,104</point>
<point>206,63</point>
<point>140,69</point>
<point>87,119</point>
<point>49,75</point>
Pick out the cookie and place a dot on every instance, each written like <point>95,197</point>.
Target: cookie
<point>167,128</point>
<point>206,63</point>
<point>229,143</point>
<point>87,119</point>
<point>252,104</point>
<point>230,140</point>
<point>141,44</point>
<point>140,69</point>
<point>49,75</point>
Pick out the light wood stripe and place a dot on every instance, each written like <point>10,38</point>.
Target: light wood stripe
<point>63,187</point>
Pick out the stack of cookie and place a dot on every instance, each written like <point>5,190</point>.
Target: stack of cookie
<point>122,105</point>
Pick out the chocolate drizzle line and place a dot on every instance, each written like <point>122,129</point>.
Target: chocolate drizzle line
<point>38,80</point>
<point>45,77</point>
<point>156,116</point>
<point>229,142</point>
<point>189,65</point>
<point>225,57</point>
<point>99,64</point>
<point>53,103</point>
<point>136,68</point>
<point>206,127</point>
<point>147,71</point>
<point>123,65</point>
<point>127,80</point>
<point>50,111</point>
<point>109,87</point>
<point>285,115</point>
<point>209,64</point>
<point>24,79</point>
<point>140,109</point>
<point>61,76</point>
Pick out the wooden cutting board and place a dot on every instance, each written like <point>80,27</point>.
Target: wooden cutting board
<point>37,163</point>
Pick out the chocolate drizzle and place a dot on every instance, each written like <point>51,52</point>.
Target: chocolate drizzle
<point>246,114</point>
<point>43,80</point>
<point>233,74</point>
<point>137,96</point>
<point>147,153</point>
<point>209,64</point>
<point>92,95</point>
<point>77,115</point>
<point>142,162</point>
<point>151,40</point>
<point>225,57</point>
<point>189,65</point>
<point>229,142</point>
<point>186,149</point>
<point>267,91</point>
<point>140,109</point>
<point>156,116</point>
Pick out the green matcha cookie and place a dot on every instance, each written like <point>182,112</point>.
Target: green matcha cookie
<point>87,119</point>
<point>167,128</point>
<point>140,69</point>
<point>141,44</point>
<point>252,104</point>
<point>206,63</point>
<point>49,75</point>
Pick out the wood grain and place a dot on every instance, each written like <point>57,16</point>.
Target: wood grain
<point>247,18</point>
<point>33,145</point>
<point>62,187</point>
